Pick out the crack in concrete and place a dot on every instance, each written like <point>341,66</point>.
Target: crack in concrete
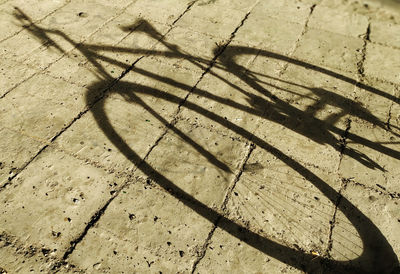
<point>93,220</point>
<point>305,28</point>
<point>190,5</point>
<point>218,53</point>
<point>296,44</point>
<point>389,117</point>
<point>206,71</point>
<point>332,222</point>
<point>229,191</point>
<point>360,63</point>
<point>174,121</point>
<point>345,183</point>
<point>207,242</point>
<point>343,141</point>
<point>343,144</point>
<point>223,208</point>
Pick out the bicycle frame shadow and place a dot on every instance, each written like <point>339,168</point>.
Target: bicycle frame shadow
<point>376,249</point>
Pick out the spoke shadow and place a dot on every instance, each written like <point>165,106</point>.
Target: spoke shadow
<point>376,249</point>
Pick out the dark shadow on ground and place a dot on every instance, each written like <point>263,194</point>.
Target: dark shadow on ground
<point>377,257</point>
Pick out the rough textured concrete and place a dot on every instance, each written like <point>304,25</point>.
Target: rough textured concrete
<point>206,136</point>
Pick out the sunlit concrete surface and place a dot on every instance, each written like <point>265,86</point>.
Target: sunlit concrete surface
<point>209,136</point>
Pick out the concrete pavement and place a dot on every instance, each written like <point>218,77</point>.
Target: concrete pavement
<point>207,136</point>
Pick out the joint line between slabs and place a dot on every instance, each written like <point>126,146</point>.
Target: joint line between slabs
<point>205,72</point>
<point>86,109</point>
<point>333,220</point>
<point>223,208</point>
<point>96,217</point>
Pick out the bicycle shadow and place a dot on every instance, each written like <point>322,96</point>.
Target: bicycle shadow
<point>377,252</point>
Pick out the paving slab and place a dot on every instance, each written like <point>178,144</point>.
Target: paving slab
<point>383,62</point>
<point>16,153</point>
<point>288,10</point>
<point>337,21</point>
<point>40,11</point>
<point>373,157</point>
<point>80,19</point>
<point>56,201</point>
<point>381,33</point>
<point>385,10</point>
<point>381,99</point>
<point>137,234</point>
<point>331,50</point>
<point>158,11</point>
<point>382,210</point>
<point>277,42</point>
<point>226,253</point>
<point>42,99</point>
<point>12,74</point>
<point>23,257</point>
<point>211,22</point>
